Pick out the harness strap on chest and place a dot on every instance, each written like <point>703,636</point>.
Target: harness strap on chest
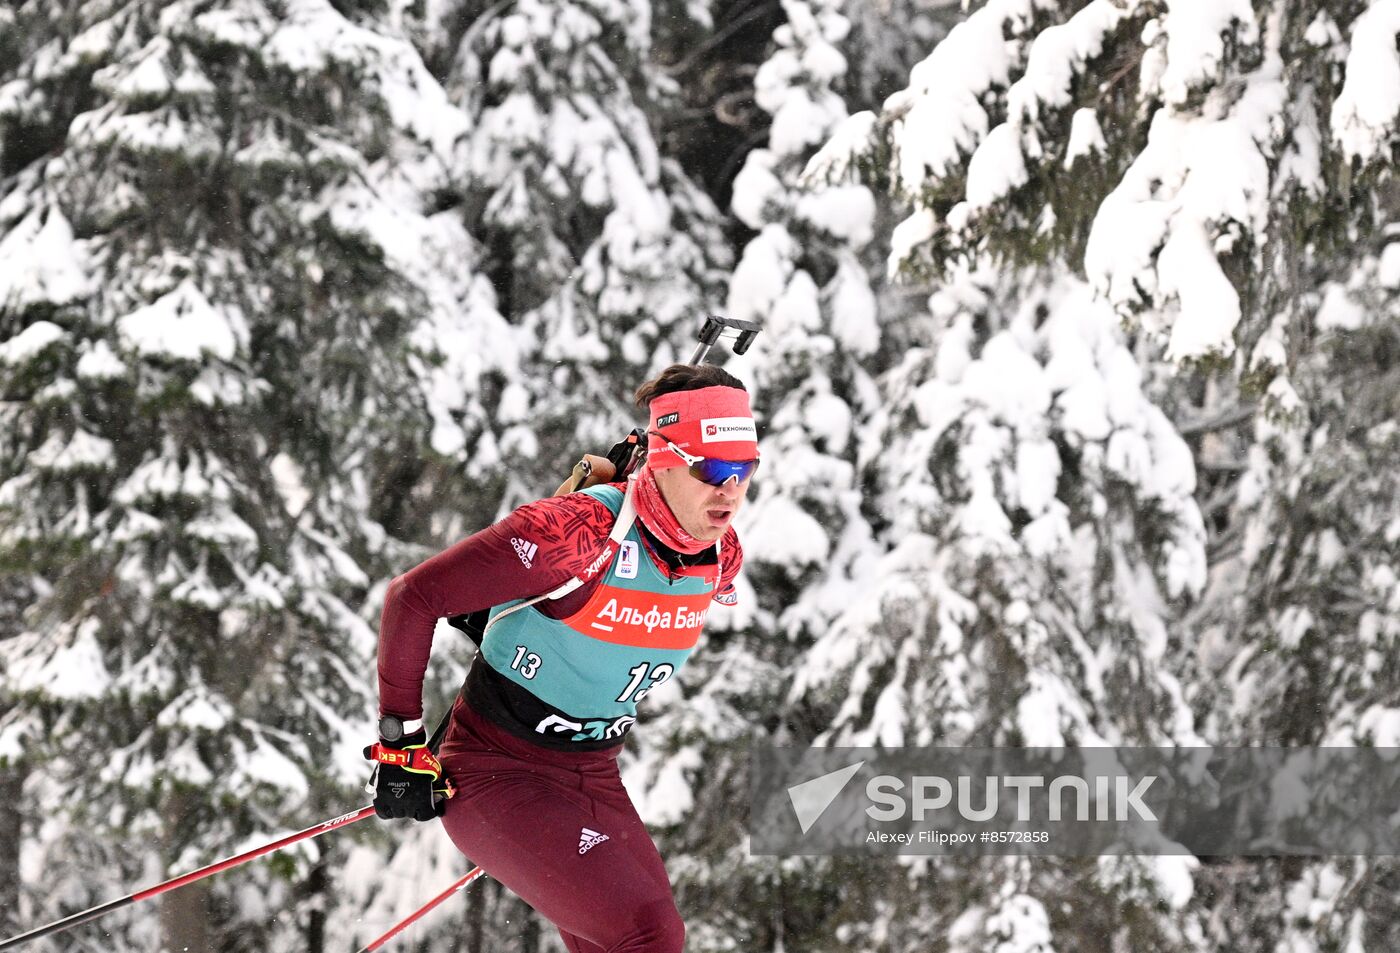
<point>626,516</point>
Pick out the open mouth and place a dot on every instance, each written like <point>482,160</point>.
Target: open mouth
<point>719,516</point>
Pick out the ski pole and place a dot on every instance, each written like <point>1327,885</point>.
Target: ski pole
<point>160,888</point>
<point>421,912</point>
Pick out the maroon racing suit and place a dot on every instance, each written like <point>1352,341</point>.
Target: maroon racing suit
<point>551,822</point>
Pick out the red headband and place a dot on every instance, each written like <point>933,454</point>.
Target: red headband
<point>709,422</point>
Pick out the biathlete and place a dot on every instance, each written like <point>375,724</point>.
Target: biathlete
<point>596,598</point>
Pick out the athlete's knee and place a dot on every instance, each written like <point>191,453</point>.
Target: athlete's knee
<point>659,929</point>
<point>671,933</point>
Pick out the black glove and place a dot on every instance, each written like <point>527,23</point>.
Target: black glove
<point>408,779</point>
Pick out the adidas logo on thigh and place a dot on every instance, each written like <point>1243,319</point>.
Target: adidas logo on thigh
<point>588,839</point>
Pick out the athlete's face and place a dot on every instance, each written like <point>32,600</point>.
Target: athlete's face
<point>704,511</point>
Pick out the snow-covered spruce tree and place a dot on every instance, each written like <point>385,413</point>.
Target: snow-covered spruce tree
<point>1041,529</point>
<point>1165,153</point>
<point>1216,172</point>
<point>220,318</point>
<point>1037,499</point>
<point>601,251</point>
<point>887,39</point>
<point>803,278</point>
<point>16,592</point>
<point>1305,624</point>
<point>1168,155</point>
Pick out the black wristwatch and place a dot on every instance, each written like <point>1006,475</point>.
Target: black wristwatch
<point>393,728</point>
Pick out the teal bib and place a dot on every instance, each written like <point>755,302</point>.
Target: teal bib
<point>635,632</point>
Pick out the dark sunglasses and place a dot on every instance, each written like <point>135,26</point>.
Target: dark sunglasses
<point>712,470</point>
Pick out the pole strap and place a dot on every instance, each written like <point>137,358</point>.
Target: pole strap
<point>416,759</point>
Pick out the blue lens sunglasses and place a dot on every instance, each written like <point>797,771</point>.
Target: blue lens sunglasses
<point>712,470</point>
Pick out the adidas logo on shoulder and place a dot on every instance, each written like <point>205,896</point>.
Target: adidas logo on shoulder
<point>589,839</point>
<point>525,550</point>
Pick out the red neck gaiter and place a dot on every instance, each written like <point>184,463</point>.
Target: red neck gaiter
<point>656,514</point>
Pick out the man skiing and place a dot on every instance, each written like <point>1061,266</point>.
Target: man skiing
<point>596,598</point>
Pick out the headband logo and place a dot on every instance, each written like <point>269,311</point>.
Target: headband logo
<point>725,429</point>
<point>668,420</point>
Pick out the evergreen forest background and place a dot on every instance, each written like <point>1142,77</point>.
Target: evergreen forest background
<point>1079,384</point>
